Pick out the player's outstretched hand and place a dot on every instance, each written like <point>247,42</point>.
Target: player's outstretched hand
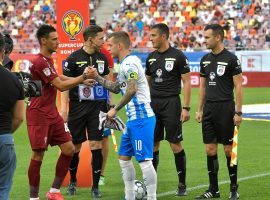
<point>91,72</point>
<point>198,117</point>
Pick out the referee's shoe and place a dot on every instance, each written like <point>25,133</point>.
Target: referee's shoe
<point>209,194</point>
<point>234,195</point>
<point>181,190</point>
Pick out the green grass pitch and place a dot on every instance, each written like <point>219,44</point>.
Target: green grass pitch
<point>253,152</point>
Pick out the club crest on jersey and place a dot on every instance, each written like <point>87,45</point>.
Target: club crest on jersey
<point>169,65</point>
<point>100,66</point>
<point>86,92</point>
<point>220,70</point>
<point>99,91</point>
<point>47,71</point>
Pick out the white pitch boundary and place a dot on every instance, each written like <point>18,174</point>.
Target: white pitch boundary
<point>220,183</point>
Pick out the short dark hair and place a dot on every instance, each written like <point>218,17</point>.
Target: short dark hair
<point>91,31</point>
<point>121,36</point>
<point>217,30</point>
<point>8,43</point>
<point>162,29</point>
<point>2,43</point>
<point>44,31</point>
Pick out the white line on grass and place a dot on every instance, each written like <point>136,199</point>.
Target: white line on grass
<point>220,183</point>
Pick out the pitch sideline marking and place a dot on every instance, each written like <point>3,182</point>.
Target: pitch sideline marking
<point>220,183</point>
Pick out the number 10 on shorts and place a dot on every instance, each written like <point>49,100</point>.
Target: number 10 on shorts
<point>138,145</point>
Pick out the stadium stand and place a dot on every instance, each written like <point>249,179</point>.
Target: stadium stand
<point>247,22</point>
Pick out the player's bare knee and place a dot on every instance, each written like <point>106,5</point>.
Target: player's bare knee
<point>68,149</point>
<point>176,147</point>
<point>94,145</point>
<point>211,149</point>
<point>228,150</point>
<point>38,155</point>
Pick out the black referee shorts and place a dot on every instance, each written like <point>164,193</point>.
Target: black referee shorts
<point>168,112</point>
<point>84,116</point>
<point>217,122</point>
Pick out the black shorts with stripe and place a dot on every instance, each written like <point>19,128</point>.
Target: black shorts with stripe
<point>83,120</point>
<point>217,122</point>
<point>168,112</point>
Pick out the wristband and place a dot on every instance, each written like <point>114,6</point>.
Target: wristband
<point>239,113</point>
<point>186,108</point>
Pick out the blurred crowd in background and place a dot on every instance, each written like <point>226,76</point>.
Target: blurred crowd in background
<point>247,22</point>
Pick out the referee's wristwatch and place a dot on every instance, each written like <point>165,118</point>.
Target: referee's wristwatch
<point>239,113</point>
<point>187,108</point>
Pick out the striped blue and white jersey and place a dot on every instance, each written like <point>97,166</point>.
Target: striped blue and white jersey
<point>139,106</point>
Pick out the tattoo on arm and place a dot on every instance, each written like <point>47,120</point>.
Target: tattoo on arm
<point>130,92</point>
<point>111,86</point>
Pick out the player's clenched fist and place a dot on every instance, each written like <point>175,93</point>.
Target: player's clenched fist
<point>198,117</point>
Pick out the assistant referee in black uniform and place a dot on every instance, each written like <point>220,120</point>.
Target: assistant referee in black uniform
<point>84,107</point>
<point>165,68</point>
<point>220,73</point>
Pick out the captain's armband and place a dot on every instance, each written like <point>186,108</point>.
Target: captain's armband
<point>132,75</point>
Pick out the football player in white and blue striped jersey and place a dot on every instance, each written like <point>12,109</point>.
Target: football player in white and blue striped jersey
<point>138,138</point>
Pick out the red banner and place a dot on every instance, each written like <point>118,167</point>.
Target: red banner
<point>72,18</point>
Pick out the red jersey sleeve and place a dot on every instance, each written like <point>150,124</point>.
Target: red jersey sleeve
<point>108,56</point>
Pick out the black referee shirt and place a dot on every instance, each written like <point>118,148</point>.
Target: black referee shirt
<point>77,61</point>
<point>165,70</point>
<point>11,90</point>
<point>219,69</point>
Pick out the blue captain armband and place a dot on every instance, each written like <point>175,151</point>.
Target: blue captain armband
<point>95,93</point>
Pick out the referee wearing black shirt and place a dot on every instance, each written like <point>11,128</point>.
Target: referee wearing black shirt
<point>165,68</point>
<point>84,107</point>
<point>11,117</point>
<point>220,73</point>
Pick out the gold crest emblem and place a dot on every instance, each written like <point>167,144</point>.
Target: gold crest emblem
<point>72,23</point>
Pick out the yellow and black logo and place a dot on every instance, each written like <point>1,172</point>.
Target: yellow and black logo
<point>72,23</point>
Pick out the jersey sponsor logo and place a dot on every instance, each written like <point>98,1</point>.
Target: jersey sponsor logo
<point>47,71</point>
<point>86,92</point>
<point>99,91</point>
<point>82,63</point>
<point>100,66</point>
<point>205,63</point>
<point>169,65</point>
<point>151,61</point>
<point>72,24</point>
<point>238,64</point>
<point>221,70</point>
<point>212,76</point>
<point>158,79</point>
<point>187,64</point>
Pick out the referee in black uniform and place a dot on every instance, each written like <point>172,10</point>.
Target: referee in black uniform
<point>220,73</point>
<point>165,68</point>
<point>84,105</point>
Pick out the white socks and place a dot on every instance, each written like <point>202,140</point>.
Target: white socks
<point>54,190</point>
<point>128,174</point>
<point>150,179</point>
